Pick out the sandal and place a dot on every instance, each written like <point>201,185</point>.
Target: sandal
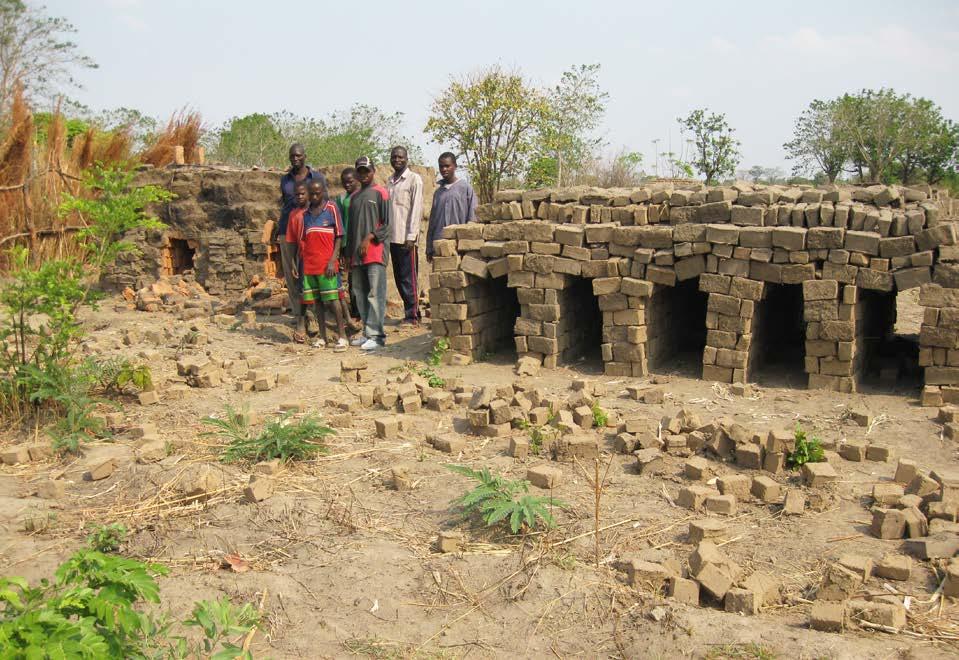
<point>299,334</point>
<point>318,343</point>
<point>312,325</point>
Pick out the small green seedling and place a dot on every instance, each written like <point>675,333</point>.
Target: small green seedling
<point>807,450</point>
<point>498,499</point>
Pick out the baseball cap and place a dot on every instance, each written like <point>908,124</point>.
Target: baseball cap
<point>364,162</point>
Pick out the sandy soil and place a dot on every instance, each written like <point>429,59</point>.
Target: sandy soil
<point>344,565</point>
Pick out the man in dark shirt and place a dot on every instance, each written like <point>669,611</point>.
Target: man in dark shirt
<point>454,202</point>
<point>299,171</point>
<point>367,248</point>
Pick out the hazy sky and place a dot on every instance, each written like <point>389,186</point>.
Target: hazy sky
<point>759,62</point>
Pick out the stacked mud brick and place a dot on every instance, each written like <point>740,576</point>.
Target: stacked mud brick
<point>939,336</point>
<point>736,240</point>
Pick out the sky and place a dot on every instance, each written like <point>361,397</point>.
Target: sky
<point>758,62</point>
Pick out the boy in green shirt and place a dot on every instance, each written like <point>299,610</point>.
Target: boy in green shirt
<point>350,185</point>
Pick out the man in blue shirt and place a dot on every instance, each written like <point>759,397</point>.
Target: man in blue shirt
<point>299,171</point>
<point>454,202</point>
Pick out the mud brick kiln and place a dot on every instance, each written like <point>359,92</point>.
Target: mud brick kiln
<point>739,277</point>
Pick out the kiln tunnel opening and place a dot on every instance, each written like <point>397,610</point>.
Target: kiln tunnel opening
<point>676,327</point>
<point>779,335</point>
<point>580,328</point>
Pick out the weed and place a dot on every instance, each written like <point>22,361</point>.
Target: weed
<point>746,651</point>
<point>497,499</point>
<point>441,346</point>
<point>285,438</point>
<point>539,434</point>
<point>118,373</point>
<point>600,416</point>
<point>92,609</point>
<point>107,538</point>
<point>432,378</point>
<point>806,451</point>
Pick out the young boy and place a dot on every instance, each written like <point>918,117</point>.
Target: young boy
<point>294,227</point>
<point>350,186</point>
<point>320,234</point>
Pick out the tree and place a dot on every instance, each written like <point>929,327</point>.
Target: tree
<point>490,117</point>
<point>717,151</point>
<point>871,123</point>
<point>818,141</point>
<point>941,158</point>
<point>253,140</point>
<point>928,142</point>
<point>576,108</point>
<point>756,172</point>
<point>35,51</point>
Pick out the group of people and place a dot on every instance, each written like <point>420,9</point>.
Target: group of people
<point>335,252</point>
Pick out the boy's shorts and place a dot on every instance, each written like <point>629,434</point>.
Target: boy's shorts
<point>320,287</point>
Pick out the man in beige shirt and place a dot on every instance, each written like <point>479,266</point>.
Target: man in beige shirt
<point>406,198</point>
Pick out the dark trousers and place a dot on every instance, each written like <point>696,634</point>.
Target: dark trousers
<point>404,274</point>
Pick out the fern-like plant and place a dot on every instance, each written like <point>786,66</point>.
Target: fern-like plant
<point>498,499</point>
<point>285,438</point>
<point>600,416</point>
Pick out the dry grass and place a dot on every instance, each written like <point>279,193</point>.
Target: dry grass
<point>184,129</point>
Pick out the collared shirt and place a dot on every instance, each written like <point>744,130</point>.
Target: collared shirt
<point>370,213</point>
<point>453,204</point>
<point>288,194</point>
<point>406,198</point>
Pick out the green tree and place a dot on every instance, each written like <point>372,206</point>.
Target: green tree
<point>492,118</point>
<point>928,142</point>
<point>35,51</point>
<point>717,151</point>
<point>253,140</point>
<point>818,141</point>
<point>575,109</point>
<point>871,123</point>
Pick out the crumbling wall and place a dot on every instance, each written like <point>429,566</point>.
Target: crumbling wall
<point>226,215</point>
<point>830,242</point>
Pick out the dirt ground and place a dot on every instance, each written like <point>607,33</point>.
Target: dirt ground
<point>345,565</point>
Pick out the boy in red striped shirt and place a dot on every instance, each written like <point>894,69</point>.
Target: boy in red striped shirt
<point>318,236</point>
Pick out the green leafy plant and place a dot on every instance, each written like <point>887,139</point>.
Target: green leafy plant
<point>115,374</point>
<point>441,346</point>
<point>107,538</point>
<point>539,434</point>
<point>808,450</point>
<point>498,499</point>
<point>600,416</point>
<point>65,390</point>
<point>431,377</point>
<point>285,437</point>
<point>91,610</point>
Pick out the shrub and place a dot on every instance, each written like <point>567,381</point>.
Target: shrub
<point>806,451</point>
<point>107,538</point>
<point>498,499</point>
<point>285,438</point>
<point>116,374</point>
<point>600,416</point>
<point>441,346</point>
<point>90,610</point>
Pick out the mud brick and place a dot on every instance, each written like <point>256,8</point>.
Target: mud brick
<point>387,427</point>
<point>15,455</point>
<point>838,583</point>
<point>683,590</point>
<point>749,456</point>
<point>858,564</point>
<point>693,497</point>
<point>917,525</point>
<point>950,587</point>
<point>774,461</point>
<point>943,511</point>
<point>646,575</point>
<point>888,523</point>
<point>150,398</point>
<point>883,614</point>
<point>827,616</point>
<point>583,416</point>
<point>712,578</point>
<point>854,450</point>
<point>907,501</point>
<point>820,290</point>
<point>906,471</point>
<point>942,545</point>
<point>721,504</point>
<point>705,529</point>
<point>765,489</point>
<point>887,494</point>
<point>519,448</point>
<point>742,601</point>
<point>923,486</point>
<point>697,469</point>
<point>439,401</point>
<point>451,541</point>
<point>866,242</point>
<point>795,503</point>
<point>781,440</point>
<point>649,461</point>
<point>101,470</point>
<point>894,567</point>
<point>544,476</point>
<point>449,443</point>
<point>738,485</point>
<point>816,475</point>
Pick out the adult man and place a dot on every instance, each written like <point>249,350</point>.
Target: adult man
<point>367,247</point>
<point>454,202</point>
<point>299,171</point>
<point>406,199</point>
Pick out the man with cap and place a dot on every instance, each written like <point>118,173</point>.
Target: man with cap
<point>368,251</point>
